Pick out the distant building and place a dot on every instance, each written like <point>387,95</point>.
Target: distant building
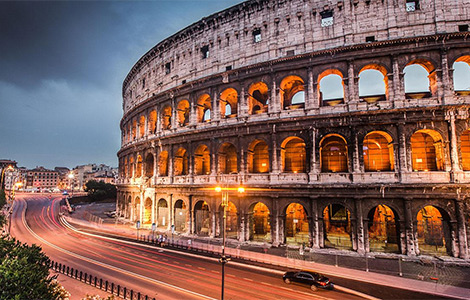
<point>41,177</point>
<point>7,175</point>
<point>84,173</point>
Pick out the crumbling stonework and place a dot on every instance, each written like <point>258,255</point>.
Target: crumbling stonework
<point>238,98</point>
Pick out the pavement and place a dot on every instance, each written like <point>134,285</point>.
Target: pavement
<point>439,276</point>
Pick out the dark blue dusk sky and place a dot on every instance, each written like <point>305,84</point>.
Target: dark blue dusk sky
<point>62,64</point>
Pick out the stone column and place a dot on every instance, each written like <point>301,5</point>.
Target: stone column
<point>462,234</point>
<point>242,104</point>
<point>215,112</point>
<point>447,83</point>
<point>190,225</point>
<point>402,149</point>
<point>311,99</point>
<point>170,163</point>
<point>158,129</point>
<point>214,156</point>
<point>278,233</point>
<point>351,92</point>
<point>315,227</point>
<point>398,88</point>
<point>241,226</point>
<point>274,103</point>
<point>247,226</point>
<point>174,115</point>
<point>193,112</point>
<point>409,230</point>
<point>153,208</point>
<point>274,154</point>
<point>356,164</point>
<point>360,227</point>
<point>454,154</point>
<point>218,223</point>
<point>213,224</point>
<point>314,162</point>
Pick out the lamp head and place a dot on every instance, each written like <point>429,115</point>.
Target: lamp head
<point>218,189</point>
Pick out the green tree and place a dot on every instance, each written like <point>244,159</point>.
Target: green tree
<point>100,190</point>
<point>24,272</point>
<point>3,199</point>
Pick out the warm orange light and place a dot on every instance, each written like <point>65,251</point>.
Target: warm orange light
<point>218,189</point>
<point>241,189</point>
<point>19,184</point>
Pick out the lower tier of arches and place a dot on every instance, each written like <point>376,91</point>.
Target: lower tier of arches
<point>411,224</point>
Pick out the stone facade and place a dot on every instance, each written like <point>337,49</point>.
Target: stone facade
<point>239,98</point>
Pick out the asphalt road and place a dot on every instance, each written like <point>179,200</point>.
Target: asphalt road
<point>156,272</point>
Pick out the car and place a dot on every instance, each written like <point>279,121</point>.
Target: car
<point>111,214</point>
<point>308,278</point>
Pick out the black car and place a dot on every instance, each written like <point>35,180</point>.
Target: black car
<point>309,278</point>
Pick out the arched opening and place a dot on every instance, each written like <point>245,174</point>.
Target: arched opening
<point>149,165</point>
<point>202,160</point>
<point>334,154</point>
<point>383,230</point>
<point>163,163</point>
<point>433,231</point>
<point>231,220</point>
<point>137,209</point>
<point>181,216</point>
<point>331,87</point>
<point>258,157</point>
<point>202,218</point>
<point>293,155</point>
<point>337,227</point>
<point>228,103</point>
<point>162,214</point>
<point>258,95</point>
<point>373,83</point>
<point>204,108</point>
<point>260,229</point>
<point>128,208</point>
<point>427,151</point>
<point>166,117</point>
<point>419,79</point>
<point>465,150</point>
<point>296,225</point>
<point>181,162</point>
<point>182,111</point>
<point>292,92</point>
<point>461,75</point>
<point>228,159</point>
<point>138,170</point>
<point>378,152</point>
<point>134,129</point>
<point>125,172</point>
<point>147,217</point>
<point>152,123</point>
<point>142,126</point>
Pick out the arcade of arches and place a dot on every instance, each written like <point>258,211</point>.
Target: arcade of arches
<point>398,227</point>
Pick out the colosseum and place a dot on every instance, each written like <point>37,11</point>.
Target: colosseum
<point>346,123</point>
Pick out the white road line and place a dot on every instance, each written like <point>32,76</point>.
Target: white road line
<point>106,265</point>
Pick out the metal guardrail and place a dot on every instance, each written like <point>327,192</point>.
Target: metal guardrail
<point>109,287</point>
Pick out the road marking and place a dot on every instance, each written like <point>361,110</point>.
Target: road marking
<point>201,268</point>
<point>248,279</point>
<point>106,265</point>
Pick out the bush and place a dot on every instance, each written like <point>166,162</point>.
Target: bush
<point>99,190</point>
<point>24,272</point>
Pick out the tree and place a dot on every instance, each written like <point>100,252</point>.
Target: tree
<point>3,199</point>
<point>100,190</point>
<point>24,272</point>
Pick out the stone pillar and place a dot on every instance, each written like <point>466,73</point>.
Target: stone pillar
<point>242,104</point>
<point>278,233</point>
<point>247,226</point>
<point>242,160</point>
<point>447,83</point>
<point>403,242</point>
<point>153,208</point>
<point>356,164</point>
<point>213,224</point>
<point>360,227</point>
<point>218,223</point>
<point>214,156</point>
<point>241,225</point>
<point>390,92</point>
<point>462,234</point>
<point>190,225</point>
<point>314,161</point>
<point>315,226</point>
<point>402,149</point>
<point>215,112</point>
<point>274,103</point>
<point>174,115</point>
<point>311,99</point>
<point>454,154</point>
<point>170,163</point>
<point>409,230</point>
<point>193,113</point>
<point>158,129</point>
<point>351,92</point>
<point>398,88</point>
<point>274,154</point>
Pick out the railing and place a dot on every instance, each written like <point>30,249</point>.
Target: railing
<point>109,287</point>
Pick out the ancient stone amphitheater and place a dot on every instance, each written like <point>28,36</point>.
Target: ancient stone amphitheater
<point>346,122</point>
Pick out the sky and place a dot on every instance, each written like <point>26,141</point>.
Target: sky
<point>62,64</point>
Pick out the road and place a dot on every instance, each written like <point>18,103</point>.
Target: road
<point>156,272</point>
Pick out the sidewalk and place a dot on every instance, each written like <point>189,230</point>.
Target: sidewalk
<point>438,276</point>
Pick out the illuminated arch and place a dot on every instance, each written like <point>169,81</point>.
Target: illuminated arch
<point>138,170</point>
<point>427,151</point>
<point>337,227</point>
<point>373,83</point>
<point>333,154</point>
<point>420,79</point>
<point>181,216</point>
<point>166,117</point>
<point>228,103</point>
<point>137,209</point>
<point>182,111</point>
<point>152,122</point>
<point>202,160</point>
<point>163,163</point>
<point>147,215</point>
<point>465,150</point>
<point>142,126</point>
<point>231,220</point>
<point>293,155</point>
<point>202,218</point>
<point>162,214</point>
<point>433,231</point>
<point>228,159</point>
<point>134,129</point>
<point>204,105</point>
<point>181,162</point>
<point>258,96</point>
<point>296,228</point>
<point>292,91</point>
<point>131,167</point>
<point>378,152</point>
<point>461,75</point>
<point>383,231</point>
<point>331,87</point>
<point>260,226</point>
<point>258,157</point>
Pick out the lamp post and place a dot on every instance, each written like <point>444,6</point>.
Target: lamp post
<point>223,259</point>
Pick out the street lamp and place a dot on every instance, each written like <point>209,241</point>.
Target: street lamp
<point>223,260</point>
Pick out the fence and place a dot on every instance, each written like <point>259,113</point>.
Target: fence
<point>93,218</point>
<point>109,287</point>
